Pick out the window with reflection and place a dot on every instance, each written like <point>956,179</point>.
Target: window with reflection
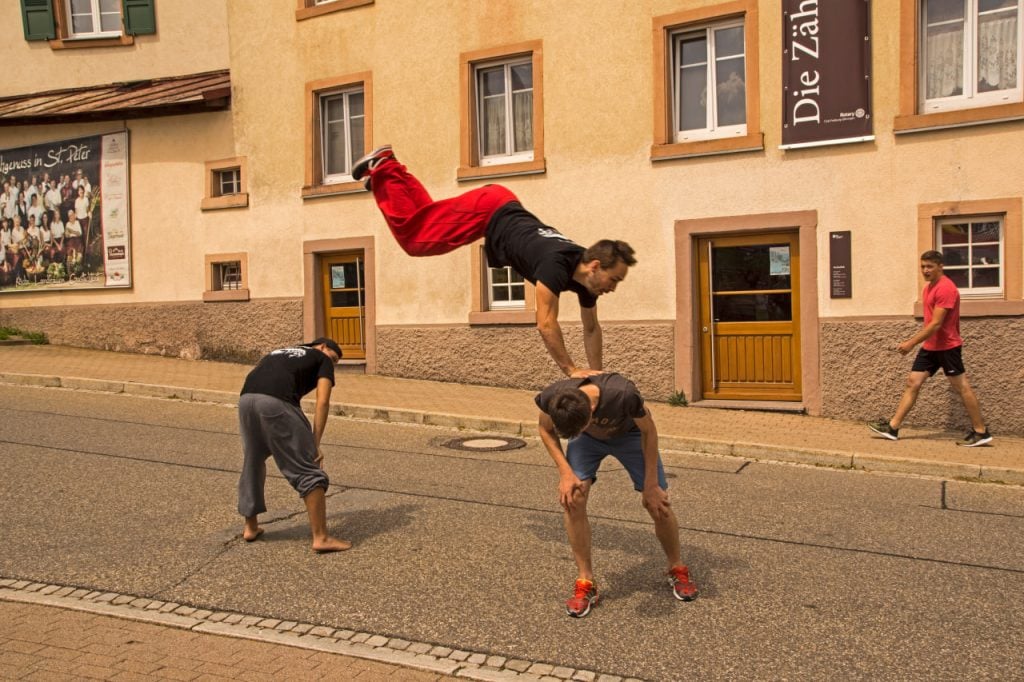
<point>970,53</point>
<point>972,253</point>
<point>751,283</point>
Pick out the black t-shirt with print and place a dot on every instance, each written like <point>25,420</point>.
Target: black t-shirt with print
<point>289,373</point>
<point>618,405</point>
<point>539,253</point>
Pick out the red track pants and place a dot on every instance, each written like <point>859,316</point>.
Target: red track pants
<point>424,227</point>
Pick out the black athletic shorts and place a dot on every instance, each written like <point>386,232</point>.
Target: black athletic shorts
<point>950,361</point>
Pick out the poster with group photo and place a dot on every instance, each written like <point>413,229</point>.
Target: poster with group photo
<point>64,215</point>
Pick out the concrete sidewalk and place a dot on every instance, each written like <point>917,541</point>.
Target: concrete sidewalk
<point>736,433</point>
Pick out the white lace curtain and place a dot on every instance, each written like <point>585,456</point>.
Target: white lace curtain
<point>997,57</point>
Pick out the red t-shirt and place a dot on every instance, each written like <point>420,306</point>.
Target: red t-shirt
<point>943,294</point>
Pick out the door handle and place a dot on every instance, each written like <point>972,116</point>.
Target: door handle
<point>705,330</point>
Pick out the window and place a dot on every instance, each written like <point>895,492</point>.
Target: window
<point>226,277</point>
<point>507,289</point>
<point>229,181</point>
<point>88,23</point>
<point>502,112</point>
<point>314,8</point>
<point>341,134</point>
<point>500,295</point>
<point>959,63</point>
<point>972,253</point>
<point>706,93</point>
<point>225,184</point>
<point>712,55</point>
<point>505,112</point>
<point>339,131</point>
<point>93,18</point>
<point>982,243</point>
<point>970,53</point>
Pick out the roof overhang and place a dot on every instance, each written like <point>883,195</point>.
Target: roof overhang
<point>172,96</point>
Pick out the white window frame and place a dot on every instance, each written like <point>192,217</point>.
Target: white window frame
<point>969,98</point>
<point>711,130</point>
<point>975,292</point>
<point>353,153</point>
<point>508,157</point>
<point>230,178</point>
<point>96,22</point>
<point>227,275</point>
<point>513,279</point>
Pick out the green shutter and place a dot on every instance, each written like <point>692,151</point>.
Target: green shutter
<point>139,17</point>
<point>37,17</point>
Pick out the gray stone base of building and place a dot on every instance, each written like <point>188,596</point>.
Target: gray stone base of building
<point>230,331</point>
<point>862,377</point>
<point>514,357</point>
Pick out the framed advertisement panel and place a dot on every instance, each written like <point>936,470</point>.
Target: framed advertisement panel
<point>64,215</point>
<point>826,72</point>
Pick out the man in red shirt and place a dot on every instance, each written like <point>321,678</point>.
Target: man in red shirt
<point>940,349</point>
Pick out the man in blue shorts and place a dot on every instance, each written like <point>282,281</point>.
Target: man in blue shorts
<point>941,349</point>
<point>603,415</point>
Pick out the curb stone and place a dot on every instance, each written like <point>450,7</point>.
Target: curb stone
<point>375,647</point>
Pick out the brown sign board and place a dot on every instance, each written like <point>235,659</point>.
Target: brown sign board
<point>840,278</point>
<point>826,72</point>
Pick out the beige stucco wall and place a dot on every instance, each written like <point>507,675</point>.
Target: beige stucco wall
<point>598,130</point>
<point>190,38</point>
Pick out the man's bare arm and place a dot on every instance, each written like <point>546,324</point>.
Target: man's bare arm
<point>551,333</point>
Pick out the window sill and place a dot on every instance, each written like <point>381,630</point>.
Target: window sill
<point>228,201</point>
<point>466,173</point>
<point>316,191</point>
<point>72,43</point>
<point>917,123</point>
<point>503,317</point>
<point>230,295</point>
<point>982,308</point>
<point>751,142</point>
<point>327,8</point>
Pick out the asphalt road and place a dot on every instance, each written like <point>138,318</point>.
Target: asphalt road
<point>805,572</point>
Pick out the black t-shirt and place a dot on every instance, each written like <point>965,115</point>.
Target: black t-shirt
<point>618,405</point>
<point>539,253</point>
<point>289,373</point>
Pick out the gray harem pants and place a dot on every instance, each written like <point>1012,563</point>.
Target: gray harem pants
<point>271,426</point>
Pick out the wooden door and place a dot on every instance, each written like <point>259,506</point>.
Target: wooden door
<point>750,317</point>
<point>344,303</point>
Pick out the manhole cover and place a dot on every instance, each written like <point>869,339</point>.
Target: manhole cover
<point>484,443</point>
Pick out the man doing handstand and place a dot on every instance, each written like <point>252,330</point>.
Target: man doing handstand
<point>512,237</point>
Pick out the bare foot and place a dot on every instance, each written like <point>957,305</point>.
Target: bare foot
<point>330,545</point>
<point>251,533</point>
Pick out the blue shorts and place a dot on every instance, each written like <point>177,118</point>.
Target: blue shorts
<point>586,452</point>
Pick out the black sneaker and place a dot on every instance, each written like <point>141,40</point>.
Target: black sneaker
<point>367,163</point>
<point>973,439</point>
<point>883,429</point>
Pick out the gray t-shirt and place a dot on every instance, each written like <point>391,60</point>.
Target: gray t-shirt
<point>618,405</point>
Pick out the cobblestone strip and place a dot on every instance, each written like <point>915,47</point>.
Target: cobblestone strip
<point>420,655</point>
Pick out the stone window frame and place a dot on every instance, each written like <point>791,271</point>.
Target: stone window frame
<point>314,185</point>
<point>210,294</point>
<point>469,161</point>
<point>307,9</point>
<point>480,313</point>
<point>1012,210</point>
<point>212,199</point>
<point>664,146</point>
<point>909,119</point>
